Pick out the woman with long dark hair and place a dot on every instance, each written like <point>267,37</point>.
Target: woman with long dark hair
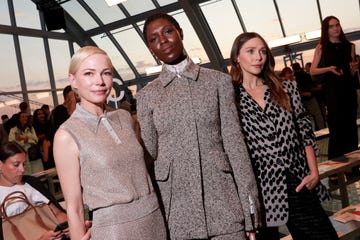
<point>334,59</point>
<point>281,144</point>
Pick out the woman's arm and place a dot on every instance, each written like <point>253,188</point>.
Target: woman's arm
<point>12,134</point>
<point>311,180</point>
<point>32,137</point>
<point>148,130</point>
<point>306,135</point>
<point>68,168</point>
<point>354,64</point>
<point>235,148</point>
<point>315,69</point>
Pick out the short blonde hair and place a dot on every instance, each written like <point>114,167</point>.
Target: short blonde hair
<point>83,53</point>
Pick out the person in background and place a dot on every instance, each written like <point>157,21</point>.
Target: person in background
<point>12,178</point>
<point>63,111</point>
<point>189,125</point>
<point>281,144</point>
<point>4,118</point>
<point>100,162</point>
<point>287,74</point>
<point>305,86</point>
<point>307,67</point>
<point>47,111</point>
<point>334,58</point>
<point>4,136</point>
<point>43,131</point>
<point>317,90</point>
<point>26,137</point>
<point>23,107</point>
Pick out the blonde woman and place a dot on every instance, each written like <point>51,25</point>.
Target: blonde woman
<point>100,162</point>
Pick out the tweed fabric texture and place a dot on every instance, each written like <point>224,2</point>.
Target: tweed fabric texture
<point>190,126</point>
<point>113,170</point>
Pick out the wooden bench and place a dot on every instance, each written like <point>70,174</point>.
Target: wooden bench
<point>49,178</point>
<point>339,166</point>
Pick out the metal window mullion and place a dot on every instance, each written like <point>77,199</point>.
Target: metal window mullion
<point>18,53</point>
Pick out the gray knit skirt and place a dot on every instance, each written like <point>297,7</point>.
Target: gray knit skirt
<point>138,220</point>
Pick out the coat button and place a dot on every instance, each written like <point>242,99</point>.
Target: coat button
<point>271,137</point>
<point>280,162</point>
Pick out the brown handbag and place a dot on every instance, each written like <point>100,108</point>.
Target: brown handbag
<point>32,223</point>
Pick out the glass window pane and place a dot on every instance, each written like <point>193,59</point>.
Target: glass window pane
<point>260,19</point>
<point>191,41</point>
<point>289,12</point>
<point>60,57</point>
<point>105,13</point>
<point>9,80</point>
<point>357,46</point>
<point>38,99</point>
<point>133,7</point>
<point>347,12</point>
<point>166,2</point>
<point>34,62</point>
<point>26,14</point>
<point>224,39</point>
<point>79,14</point>
<point>9,104</point>
<point>4,13</point>
<point>135,48</point>
<point>121,66</point>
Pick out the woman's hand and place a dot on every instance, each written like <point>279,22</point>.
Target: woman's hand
<point>250,235</point>
<point>310,182</point>
<point>87,235</point>
<point>336,70</point>
<point>51,235</point>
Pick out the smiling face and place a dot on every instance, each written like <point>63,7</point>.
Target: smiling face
<point>252,56</point>
<point>93,79</point>
<point>165,41</point>
<point>12,170</point>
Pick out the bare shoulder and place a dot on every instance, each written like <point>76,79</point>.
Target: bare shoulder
<point>62,136</point>
<point>63,140</point>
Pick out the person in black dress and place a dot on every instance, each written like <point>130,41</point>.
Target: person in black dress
<point>334,58</point>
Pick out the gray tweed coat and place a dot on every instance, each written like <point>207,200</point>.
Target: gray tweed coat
<point>190,126</point>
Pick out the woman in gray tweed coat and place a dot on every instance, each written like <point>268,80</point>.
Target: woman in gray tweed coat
<point>190,126</point>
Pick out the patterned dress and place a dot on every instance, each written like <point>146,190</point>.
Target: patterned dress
<point>276,139</point>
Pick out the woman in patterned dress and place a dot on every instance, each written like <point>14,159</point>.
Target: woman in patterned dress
<point>281,143</point>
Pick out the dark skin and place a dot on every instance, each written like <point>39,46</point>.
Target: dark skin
<point>165,41</point>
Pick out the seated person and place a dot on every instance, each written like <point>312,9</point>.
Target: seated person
<point>12,168</point>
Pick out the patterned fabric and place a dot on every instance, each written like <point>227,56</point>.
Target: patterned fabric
<point>190,126</point>
<point>276,139</point>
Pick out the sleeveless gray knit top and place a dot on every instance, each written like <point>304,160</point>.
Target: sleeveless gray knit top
<point>112,166</point>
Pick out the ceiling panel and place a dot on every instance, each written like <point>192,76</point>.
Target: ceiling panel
<point>104,12</point>
<point>80,14</point>
<point>133,7</point>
